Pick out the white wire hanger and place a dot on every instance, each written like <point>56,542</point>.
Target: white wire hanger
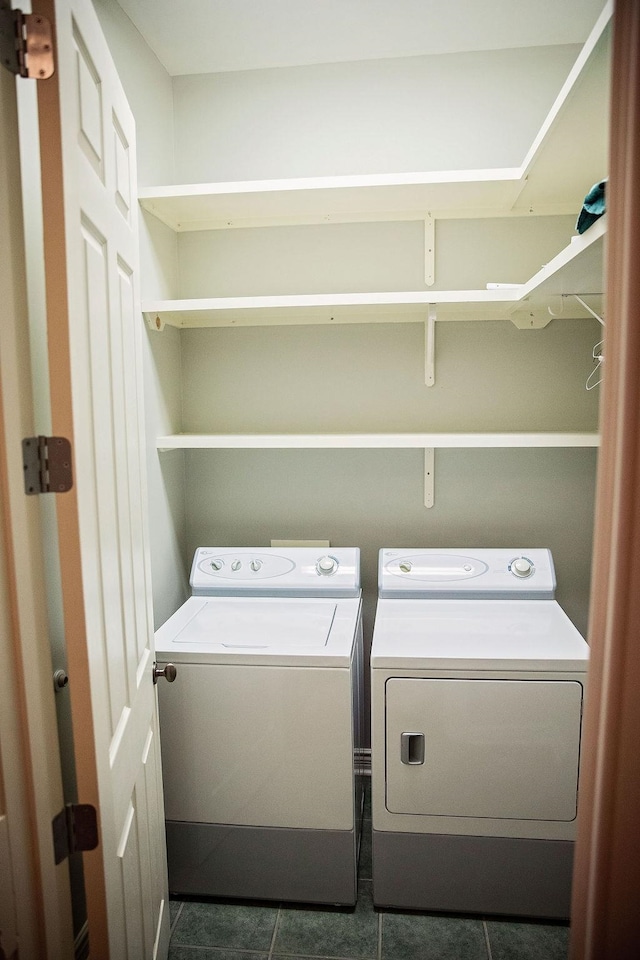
<point>595,377</point>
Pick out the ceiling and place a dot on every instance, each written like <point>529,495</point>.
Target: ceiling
<point>210,36</point>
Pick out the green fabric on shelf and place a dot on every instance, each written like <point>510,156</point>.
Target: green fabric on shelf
<point>593,207</point>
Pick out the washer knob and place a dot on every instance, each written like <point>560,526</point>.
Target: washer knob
<point>406,566</point>
<point>521,567</point>
<point>217,564</point>
<point>236,565</point>
<point>326,566</point>
<point>255,565</point>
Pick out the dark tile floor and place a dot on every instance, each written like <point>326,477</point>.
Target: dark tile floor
<point>221,930</point>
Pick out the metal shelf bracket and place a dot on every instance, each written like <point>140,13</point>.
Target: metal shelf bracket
<point>430,347</point>
<point>429,250</point>
<point>429,476</point>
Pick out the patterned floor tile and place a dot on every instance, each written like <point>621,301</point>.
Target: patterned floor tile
<point>330,932</point>
<point>527,941</point>
<point>174,910</point>
<point>238,926</point>
<point>422,937</point>
<point>202,953</point>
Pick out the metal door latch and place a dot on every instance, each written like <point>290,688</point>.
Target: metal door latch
<point>26,43</point>
<point>60,680</point>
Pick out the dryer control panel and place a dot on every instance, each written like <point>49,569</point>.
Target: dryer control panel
<point>273,572</point>
<point>517,573</point>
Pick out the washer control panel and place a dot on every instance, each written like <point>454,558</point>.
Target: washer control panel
<point>269,571</point>
<point>458,574</point>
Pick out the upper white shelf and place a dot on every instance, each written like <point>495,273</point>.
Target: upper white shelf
<point>567,156</point>
<point>575,270</point>
<point>370,441</point>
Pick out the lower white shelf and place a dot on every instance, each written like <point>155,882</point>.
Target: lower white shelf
<point>288,441</point>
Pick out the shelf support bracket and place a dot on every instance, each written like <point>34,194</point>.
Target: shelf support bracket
<point>430,347</point>
<point>429,250</point>
<point>429,476</point>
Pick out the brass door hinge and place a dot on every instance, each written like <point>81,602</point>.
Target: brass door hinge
<point>46,462</point>
<point>75,828</point>
<point>26,44</point>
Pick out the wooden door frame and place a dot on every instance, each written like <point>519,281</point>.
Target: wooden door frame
<point>29,743</point>
<point>605,914</point>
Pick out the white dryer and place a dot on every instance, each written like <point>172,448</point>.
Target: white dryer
<point>259,730</point>
<point>478,680</point>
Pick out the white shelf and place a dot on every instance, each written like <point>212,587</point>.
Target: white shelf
<point>337,199</point>
<point>569,152</point>
<point>575,270</point>
<point>327,308</point>
<point>334,441</point>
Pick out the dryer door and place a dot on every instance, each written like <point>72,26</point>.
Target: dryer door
<point>504,749</point>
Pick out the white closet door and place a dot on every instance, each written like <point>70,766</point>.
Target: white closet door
<point>95,327</point>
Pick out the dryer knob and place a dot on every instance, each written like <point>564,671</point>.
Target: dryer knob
<point>236,565</point>
<point>217,564</point>
<point>326,566</point>
<point>255,565</point>
<point>521,567</point>
<point>406,566</point>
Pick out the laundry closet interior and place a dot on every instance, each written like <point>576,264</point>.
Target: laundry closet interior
<point>359,286</point>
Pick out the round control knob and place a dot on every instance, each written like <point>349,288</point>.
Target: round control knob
<point>217,564</point>
<point>326,566</point>
<point>406,566</point>
<point>236,565</point>
<point>521,567</point>
<point>255,565</point>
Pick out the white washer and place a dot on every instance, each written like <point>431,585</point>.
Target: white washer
<point>259,730</point>
<point>478,681</point>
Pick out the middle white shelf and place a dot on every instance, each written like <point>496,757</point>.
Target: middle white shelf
<point>577,269</point>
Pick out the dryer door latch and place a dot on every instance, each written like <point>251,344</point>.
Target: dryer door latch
<point>412,748</point>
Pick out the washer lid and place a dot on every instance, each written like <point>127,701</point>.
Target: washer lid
<point>260,625</point>
<point>476,635</point>
<point>269,630</point>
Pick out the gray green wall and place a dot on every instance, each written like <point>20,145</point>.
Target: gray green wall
<point>453,111</point>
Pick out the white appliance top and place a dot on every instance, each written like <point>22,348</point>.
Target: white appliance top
<point>492,635</point>
<point>275,572</point>
<point>526,574</point>
<point>270,630</point>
